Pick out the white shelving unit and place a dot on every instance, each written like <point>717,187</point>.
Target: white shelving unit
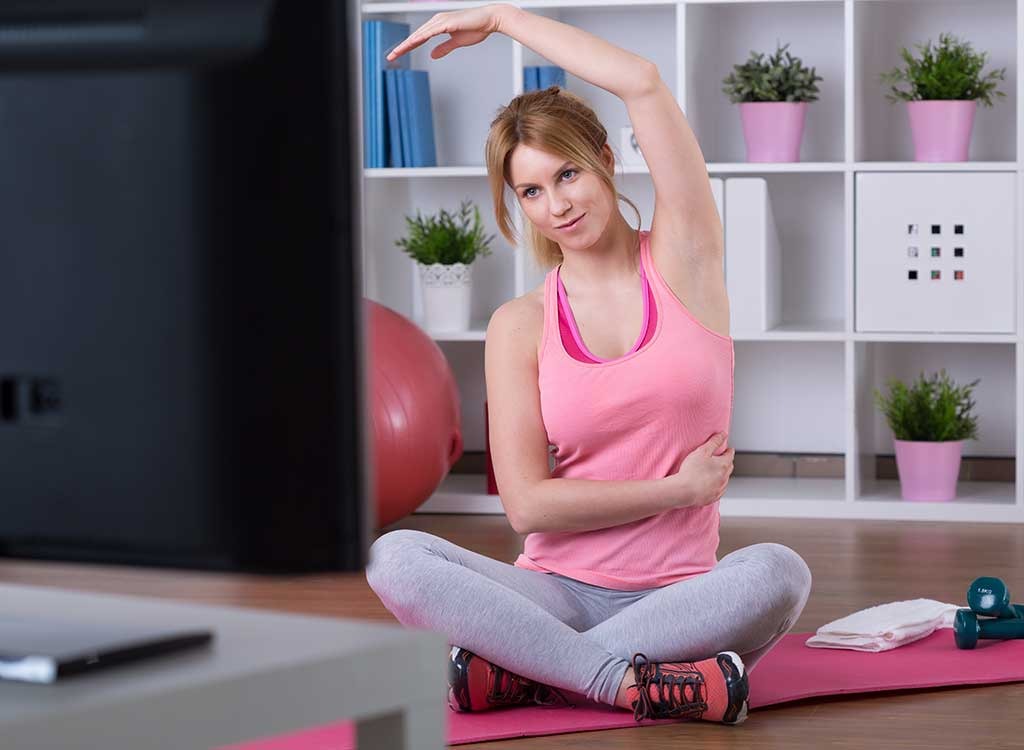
<point>805,386</point>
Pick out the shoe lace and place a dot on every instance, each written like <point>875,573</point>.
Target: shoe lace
<point>671,703</point>
<point>507,687</point>
<point>550,692</point>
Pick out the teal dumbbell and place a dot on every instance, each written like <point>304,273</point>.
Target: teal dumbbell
<point>967,628</point>
<point>989,597</point>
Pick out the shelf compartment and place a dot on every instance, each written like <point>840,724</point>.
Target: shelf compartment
<point>788,397</point>
<point>933,250</point>
<point>720,35</point>
<point>995,407</point>
<point>391,275</point>
<point>784,253</point>
<point>883,29</point>
<point>461,121</point>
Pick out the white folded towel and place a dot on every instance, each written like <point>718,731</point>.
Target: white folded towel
<point>885,626</point>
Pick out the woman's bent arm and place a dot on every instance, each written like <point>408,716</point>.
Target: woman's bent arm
<point>586,504</point>
<point>586,56</point>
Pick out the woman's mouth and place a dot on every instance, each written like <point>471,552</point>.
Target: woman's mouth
<point>574,224</point>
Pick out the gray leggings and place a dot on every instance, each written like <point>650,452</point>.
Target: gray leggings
<point>577,636</point>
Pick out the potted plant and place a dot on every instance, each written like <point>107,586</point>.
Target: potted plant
<point>773,97</point>
<point>930,422</point>
<point>946,86</point>
<point>443,251</point>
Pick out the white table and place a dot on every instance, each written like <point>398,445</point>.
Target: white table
<point>264,674</point>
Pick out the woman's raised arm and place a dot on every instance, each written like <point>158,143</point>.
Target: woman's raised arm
<point>586,56</point>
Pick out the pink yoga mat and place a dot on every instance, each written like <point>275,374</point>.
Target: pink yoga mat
<point>791,671</point>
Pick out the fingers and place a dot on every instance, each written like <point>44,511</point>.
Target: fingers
<point>436,25</point>
<point>414,40</point>
<point>442,49</point>
<point>407,44</point>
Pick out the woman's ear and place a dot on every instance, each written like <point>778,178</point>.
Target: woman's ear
<point>608,156</point>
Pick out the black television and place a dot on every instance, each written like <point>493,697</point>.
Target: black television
<point>181,333</point>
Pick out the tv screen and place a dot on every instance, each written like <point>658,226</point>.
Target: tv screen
<point>181,334</point>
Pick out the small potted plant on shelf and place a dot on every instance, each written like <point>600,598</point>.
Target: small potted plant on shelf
<point>773,97</point>
<point>930,422</point>
<point>946,86</point>
<point>443,251</point>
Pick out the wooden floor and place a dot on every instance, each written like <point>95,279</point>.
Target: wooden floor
<point>855,564</point>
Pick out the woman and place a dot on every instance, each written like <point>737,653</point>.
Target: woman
<point>618,594</point>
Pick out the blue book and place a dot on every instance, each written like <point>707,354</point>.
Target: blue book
<point>394,126</point>
<point>383,36</point>
<point>551,75</point>
<point>530,78</point>
<point>369,42</point>
<point>405,110</point>
<point>375,72</point>
<point>423,152</point>
<point>392,33</point>
<point>367,78</point>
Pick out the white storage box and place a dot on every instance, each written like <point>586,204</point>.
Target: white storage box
<point>752,257</point>
<point>934,252</point>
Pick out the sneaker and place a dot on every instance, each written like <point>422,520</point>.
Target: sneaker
<point>714,689</point>
<point>475,684</point>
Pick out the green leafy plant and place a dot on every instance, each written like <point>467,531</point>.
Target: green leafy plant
<point>950,71</point>
<point>933,409</point>
<point>773,80</point>
<point>439,239</point>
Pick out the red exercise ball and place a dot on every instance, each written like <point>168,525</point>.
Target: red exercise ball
<point>414,412</point>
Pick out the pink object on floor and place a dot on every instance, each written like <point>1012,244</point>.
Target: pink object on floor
<point>789,672</point>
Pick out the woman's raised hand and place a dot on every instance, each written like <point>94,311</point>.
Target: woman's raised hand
<point>466,27</point>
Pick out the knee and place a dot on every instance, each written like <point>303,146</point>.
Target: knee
<point>387,555</point>
<point>789,573</point>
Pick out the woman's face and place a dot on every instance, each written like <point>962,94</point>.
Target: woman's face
<point>552,191</point>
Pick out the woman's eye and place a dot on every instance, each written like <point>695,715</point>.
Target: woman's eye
<point>526,193</point>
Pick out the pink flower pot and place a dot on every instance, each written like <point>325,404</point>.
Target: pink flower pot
<point>928,470</point>
<point>941,129</point>
<point>773,130</point>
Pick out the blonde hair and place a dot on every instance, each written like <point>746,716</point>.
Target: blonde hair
<point>556,121</point>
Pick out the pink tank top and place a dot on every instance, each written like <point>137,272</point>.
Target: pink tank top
<point>634,417</point>
<point>570,332</point>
